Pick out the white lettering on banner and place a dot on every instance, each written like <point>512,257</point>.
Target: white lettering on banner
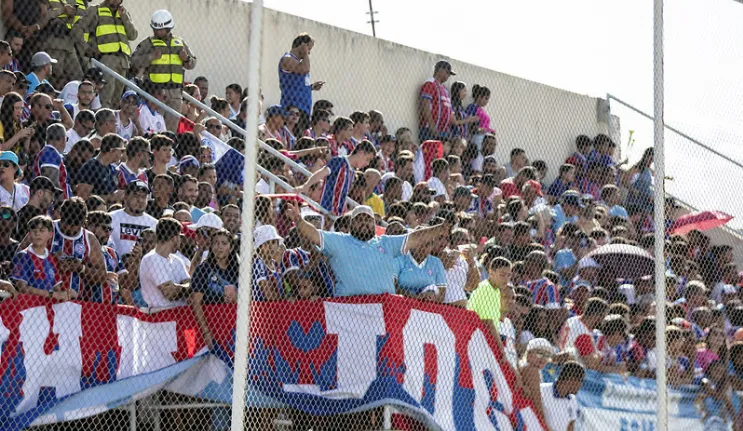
<point>429,328</point>
<point>63,367</point>
<point>145,346</point>
<point>357,327</point>
<point>4,334</point>
<point>481,359</point>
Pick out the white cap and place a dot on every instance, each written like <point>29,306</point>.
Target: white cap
<point>628,290</point>
<point>263,234</point>
<point>41,58</point>
<point>588,262</point>
<point>728,289</point>
<point>207,220</point>
<point>362,209</point>
<point>539,344</point>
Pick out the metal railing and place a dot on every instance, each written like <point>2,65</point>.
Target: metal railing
<point>273,178</point>
<point>726,228</point>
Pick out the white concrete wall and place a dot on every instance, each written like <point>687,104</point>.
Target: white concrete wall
<point>364,73</point>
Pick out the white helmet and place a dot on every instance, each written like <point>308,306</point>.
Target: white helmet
<point>162,19</point>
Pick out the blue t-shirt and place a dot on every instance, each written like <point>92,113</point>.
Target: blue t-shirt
<point>618,211</point>
<point>210,280</point>
<point>33,82</point>
<point>36,271</point>
<point>564,259</point>
<point>414,277</point>
<point>362,267</point>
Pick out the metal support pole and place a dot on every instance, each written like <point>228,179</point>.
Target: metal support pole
<point>246,247</point>
<point>659,218</point>
<point>132,416</point>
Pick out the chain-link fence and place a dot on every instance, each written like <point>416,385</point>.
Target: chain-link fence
<point>433,245</point>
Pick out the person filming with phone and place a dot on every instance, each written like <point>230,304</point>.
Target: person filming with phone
<point>294,79</point>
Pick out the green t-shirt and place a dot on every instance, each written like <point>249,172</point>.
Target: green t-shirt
<point>485,301</point>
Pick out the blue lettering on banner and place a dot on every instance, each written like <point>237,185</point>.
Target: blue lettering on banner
<point>628,424</point>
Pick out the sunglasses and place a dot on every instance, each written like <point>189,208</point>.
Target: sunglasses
<point>47,106</point>
<point>293,112</point>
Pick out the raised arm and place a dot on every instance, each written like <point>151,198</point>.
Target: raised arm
<point>426,235</point>
<point>314,179</point>
<point>305,229</point>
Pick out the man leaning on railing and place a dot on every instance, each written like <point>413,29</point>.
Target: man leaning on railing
<point>362,262</point>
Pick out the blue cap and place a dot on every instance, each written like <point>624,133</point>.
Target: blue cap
<point>11,157</point>
<point>188,162</point>
<point>130,93</point>
<point>275,110</point>
<point>572,199</point>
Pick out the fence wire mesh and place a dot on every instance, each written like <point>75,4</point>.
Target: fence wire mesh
<point>436,245</point>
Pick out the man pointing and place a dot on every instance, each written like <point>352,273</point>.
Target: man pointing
<point>362,262</point>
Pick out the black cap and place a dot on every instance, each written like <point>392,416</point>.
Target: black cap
<point>20,77</point>
<point>443,64</point>
<point>46,88</point>
<point>96,75</point>
<point>43,183</point>
<point>463,191</point>
<point>137,186</point>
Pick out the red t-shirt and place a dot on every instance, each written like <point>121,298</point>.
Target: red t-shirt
<point>508,187</point>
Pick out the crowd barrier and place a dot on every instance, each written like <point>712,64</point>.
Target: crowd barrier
<point>439,364</point>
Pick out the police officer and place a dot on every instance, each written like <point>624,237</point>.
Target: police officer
<point>108,28</point>
<point>63,15</point>
<point>165,58</point>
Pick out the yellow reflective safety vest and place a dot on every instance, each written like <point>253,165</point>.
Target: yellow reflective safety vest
<point>81,7</point>
<point>110,34</point>
<point>168,68</point>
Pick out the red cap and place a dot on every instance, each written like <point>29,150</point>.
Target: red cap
<point>534,184</point>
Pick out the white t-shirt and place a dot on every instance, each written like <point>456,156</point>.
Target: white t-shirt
<point>155,270</point>
<point>576,337</point>
<point>127,132</point>
<point>151,121</point>
<point>72,139</point>
<point>128,229</point>
<point>262,187</point>
<point>439,186</point>
<point>559,412</point>
<point>17,198</point>
<point>69,95</point>
<point>456,279</point>
<point>508,336</point>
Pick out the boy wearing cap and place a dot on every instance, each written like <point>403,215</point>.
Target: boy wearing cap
<point>561,408</point>
<point>127,117</point>
<point>129,222</point>
<point>98,176</point>
<point>50,163</point>
<point>12,194</point>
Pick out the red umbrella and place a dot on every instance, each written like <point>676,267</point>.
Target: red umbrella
<point>704,220</point>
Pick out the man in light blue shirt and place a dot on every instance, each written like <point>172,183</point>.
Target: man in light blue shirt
<point>364,264</point>
<point>41,65</point>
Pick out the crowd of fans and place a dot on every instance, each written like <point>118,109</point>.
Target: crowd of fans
<point>106,199</point>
